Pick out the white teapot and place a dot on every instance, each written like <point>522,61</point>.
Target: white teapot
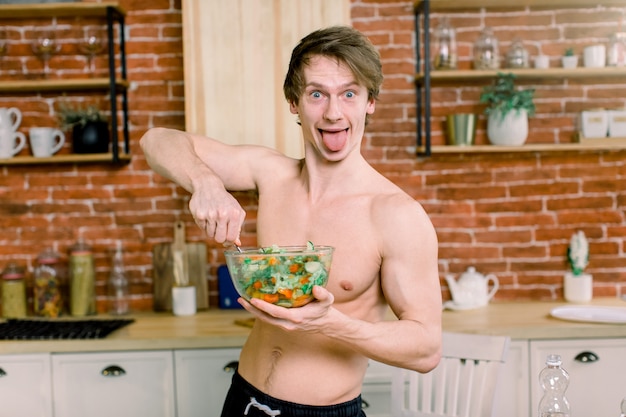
<point>471,290</point>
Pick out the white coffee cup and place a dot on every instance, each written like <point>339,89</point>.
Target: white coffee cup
<point>11,142</point>
<point>45,141</point>
<point>594,56</point>
<point>184,301</point>
<point>542,61</point>
<point>10,118</point>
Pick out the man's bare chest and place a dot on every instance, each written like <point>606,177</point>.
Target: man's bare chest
<point>345,225</point>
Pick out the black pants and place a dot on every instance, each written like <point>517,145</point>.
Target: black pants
<point>245,400</point>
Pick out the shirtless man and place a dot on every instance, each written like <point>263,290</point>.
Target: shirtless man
<point>310,361</point>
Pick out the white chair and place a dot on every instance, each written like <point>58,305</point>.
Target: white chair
<point>462,385</point>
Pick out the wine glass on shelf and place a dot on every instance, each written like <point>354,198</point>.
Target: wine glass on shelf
<point>91,45</point>
<point>44,46</point>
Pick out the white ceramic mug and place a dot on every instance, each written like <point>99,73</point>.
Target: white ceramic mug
<point>184,301</point>
<point>542,61</point>
<point>10,118</point>
<point>11,142</point>
<point>45,141</point>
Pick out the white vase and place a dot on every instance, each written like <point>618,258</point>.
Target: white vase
<point>578,288</point>
<point>510,130</point>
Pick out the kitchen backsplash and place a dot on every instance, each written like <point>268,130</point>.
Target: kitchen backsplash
<point>510,214</point>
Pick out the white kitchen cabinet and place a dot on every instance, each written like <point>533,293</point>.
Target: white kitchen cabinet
<point>25,385</point>
<point>116,384</point>
<point>597,369</point>
<point>202,379</point>
<point>512,396</point>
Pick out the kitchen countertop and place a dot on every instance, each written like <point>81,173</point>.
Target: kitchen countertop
<point>218,328</point>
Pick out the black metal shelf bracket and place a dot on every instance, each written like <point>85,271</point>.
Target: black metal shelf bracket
<point>422,85</point>
<point>113,15</point>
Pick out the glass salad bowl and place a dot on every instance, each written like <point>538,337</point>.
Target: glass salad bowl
<point>281,275</point>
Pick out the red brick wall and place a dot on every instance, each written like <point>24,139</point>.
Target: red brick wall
<point>510,214</point>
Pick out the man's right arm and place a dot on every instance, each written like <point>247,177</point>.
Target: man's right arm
<point>206,168</point>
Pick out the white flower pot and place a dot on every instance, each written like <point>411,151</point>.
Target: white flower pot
<point>578,288</point>
<point>510,130</point>
<point>569,61</point>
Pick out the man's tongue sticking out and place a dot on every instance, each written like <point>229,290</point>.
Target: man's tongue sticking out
<point>334,140</point>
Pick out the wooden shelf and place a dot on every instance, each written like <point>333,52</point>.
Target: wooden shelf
<point>41,10</point>
<point>66,159</point>
<point>80,84</point>
<point>115,83</point>
<point>602,145</point>
<point>525,74</point>
<point>457,5</point>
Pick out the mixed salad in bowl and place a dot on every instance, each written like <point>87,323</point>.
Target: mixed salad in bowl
<point>281,275</point>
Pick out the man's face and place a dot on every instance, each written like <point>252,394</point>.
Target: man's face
<point>333,108</point>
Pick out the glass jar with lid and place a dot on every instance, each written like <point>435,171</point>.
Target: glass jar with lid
<point>517,55</point>
<point>82,280</point>
<point>50,283</point>
<point>486,52</point>
<point>444,55</point>
<point>13,292</point>
<point>616,51</point>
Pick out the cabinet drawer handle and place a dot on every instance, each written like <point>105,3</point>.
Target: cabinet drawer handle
<point>587,357</point>
<point>113,370</point>
<point>231,366</point>
<point>2,373</point>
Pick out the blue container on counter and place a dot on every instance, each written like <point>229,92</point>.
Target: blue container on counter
<point>227,293</point>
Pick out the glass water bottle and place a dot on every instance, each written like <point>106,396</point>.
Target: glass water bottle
<point>554,381</point>
<point>118,285</point>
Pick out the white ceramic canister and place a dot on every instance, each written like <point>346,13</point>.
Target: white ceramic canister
<point>594,123</point>
<point>617,123</point>
<point>594,56</point>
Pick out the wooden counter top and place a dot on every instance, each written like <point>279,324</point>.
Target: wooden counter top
<point>153,331</point>
<point>531,320</point>
<point>217,329</point>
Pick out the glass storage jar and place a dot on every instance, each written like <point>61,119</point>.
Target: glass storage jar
<point>444,55</point>
<point>486,53</point>
<point>517,55</point>
<point>82,280</point>
<point>49,291</point>
<point>13,292</point>
<point>616,51</point>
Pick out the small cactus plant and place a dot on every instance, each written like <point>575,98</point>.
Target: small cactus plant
<point>578,253</point>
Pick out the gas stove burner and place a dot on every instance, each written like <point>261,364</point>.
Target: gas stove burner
<point>27,329</point>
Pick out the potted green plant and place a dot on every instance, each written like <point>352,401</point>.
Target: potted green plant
<point>569,59</point>
<point>90,128</point>
<point>577,285</point>
<point>508,109</point>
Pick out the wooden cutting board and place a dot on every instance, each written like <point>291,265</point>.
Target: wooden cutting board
<point>194,256</point>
